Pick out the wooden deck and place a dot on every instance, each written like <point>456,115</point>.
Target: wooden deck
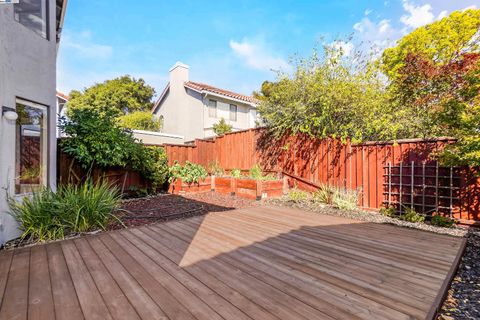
<point>258,263</point>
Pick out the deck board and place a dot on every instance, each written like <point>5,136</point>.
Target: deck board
<point>254,263</point>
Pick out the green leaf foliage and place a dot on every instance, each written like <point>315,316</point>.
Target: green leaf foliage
<point>49,215</point>
<point>441,41</point>
<point>221,127</point>
<point>329,94</point>
<point>96,140</point>
<point>189,173</point>
<point>118,96</point>
<point>140,120</point>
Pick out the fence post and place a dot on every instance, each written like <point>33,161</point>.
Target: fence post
<point>389,184</point>
<point>412,184</point>
<point>423,187</point>
<point>400,189</point>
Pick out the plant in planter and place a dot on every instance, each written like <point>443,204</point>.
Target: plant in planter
<point>215,169</point>
<point>236,173</point>
<point>189,173</point>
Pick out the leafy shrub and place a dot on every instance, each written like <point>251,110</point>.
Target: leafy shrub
<point>256,172</point>
<point>388,211</point>
<point>222,127</point>
<point>49,215</point>
<point>324,194</point>
<point>411,215</point>
<point>189,173</point>
<point>96,139</point>
<point>236,173</point>
<point>152,163</point>
<point>440,221</point>
<point>341,198</point>
<point>297,196</point>
<point>215,169</point>
<point>140,120</point>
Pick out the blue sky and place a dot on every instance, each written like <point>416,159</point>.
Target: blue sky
<point>229,44</point>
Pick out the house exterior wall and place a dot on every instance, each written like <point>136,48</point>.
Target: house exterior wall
<point>27,71</point>
<point>185,111</point>
<point>223,111</point>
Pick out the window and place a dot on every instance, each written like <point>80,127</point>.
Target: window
<point>233,112</point>
<point>33,14</point>
<point>212,108</point>
<point>30,147</point>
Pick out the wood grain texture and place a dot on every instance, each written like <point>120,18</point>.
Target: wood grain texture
<point>255,263</point>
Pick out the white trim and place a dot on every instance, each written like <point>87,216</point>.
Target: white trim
<point>179,64</point>
<point>225,97</point>
<point>159,134</point>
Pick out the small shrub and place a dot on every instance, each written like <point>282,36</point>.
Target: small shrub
<point>297,196</point>
<point>441,221</point>
<point>324,194</point>
<point>411,215</point>
<point>388,211</point>
<point>255,172</point>
<point>189,173</point>
<point>341,198</point>
<point>345,199</point>
<point>49,215</point>
<point>215,169</point>
<point>152,163</point>
<point>236,173</point>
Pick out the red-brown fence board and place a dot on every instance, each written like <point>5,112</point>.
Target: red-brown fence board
<point>327,161</point>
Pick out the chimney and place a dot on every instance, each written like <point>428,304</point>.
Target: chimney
<point>178,76</point>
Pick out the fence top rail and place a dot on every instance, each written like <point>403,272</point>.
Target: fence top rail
<point>416,140</point>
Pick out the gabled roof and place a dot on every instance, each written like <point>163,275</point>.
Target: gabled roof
<point>205,87</point>
<point>62,96</point>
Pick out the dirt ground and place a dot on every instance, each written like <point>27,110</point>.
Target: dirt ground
<point>163,207</point>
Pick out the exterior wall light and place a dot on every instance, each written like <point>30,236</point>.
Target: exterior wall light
<point>9,113</point>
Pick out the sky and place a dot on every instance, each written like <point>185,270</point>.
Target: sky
<point>235,45</point>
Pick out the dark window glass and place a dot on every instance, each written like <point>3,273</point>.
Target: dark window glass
<point>33,14</point>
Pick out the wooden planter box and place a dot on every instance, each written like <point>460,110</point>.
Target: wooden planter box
<point>179,187</point>
<point>248,188</point>
<point>242,187</point>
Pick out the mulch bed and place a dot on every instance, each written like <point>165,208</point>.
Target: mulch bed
<point>162,207</point>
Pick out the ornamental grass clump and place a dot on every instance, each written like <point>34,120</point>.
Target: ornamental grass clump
<point>49,215</point>
<point>342,198</point>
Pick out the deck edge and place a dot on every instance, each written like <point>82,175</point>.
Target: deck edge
<point>442,293</point>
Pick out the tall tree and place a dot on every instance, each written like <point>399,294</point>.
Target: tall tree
<point>329,94</point>
<point>441,42</point>
<point>118,96</point>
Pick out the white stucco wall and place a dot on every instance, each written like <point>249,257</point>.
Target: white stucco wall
<point>185,111</point>
<point>27,71</point>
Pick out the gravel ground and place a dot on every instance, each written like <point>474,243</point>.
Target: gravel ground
<point>463,300</point>
<point>364,216</point>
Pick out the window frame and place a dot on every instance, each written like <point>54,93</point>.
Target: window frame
<point>234,112</point>
<point>44,156</point>
<point>47,20</point>
<point>212,109</point>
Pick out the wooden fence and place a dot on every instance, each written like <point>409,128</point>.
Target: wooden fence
<point>312,162</point>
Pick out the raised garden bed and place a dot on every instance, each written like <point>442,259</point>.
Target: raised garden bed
<point>242,187</point>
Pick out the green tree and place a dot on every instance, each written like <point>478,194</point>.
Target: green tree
<point>118,96</point>
<point>330,94</point>
<point>140,120</point>
<point>221,127</point>
<point>96,140</point>
<point>440,42</point>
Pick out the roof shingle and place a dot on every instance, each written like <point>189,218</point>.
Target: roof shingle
<point>205,87</point>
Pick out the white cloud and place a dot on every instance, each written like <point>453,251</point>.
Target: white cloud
<point>368,11</point>
<point>379,34</point>
<point>442,14</point>
<point>82,44</point>
<point>256,55</point>
<point>417,16</point>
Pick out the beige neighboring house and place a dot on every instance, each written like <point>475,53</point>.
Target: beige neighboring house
<point>190,109</point>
